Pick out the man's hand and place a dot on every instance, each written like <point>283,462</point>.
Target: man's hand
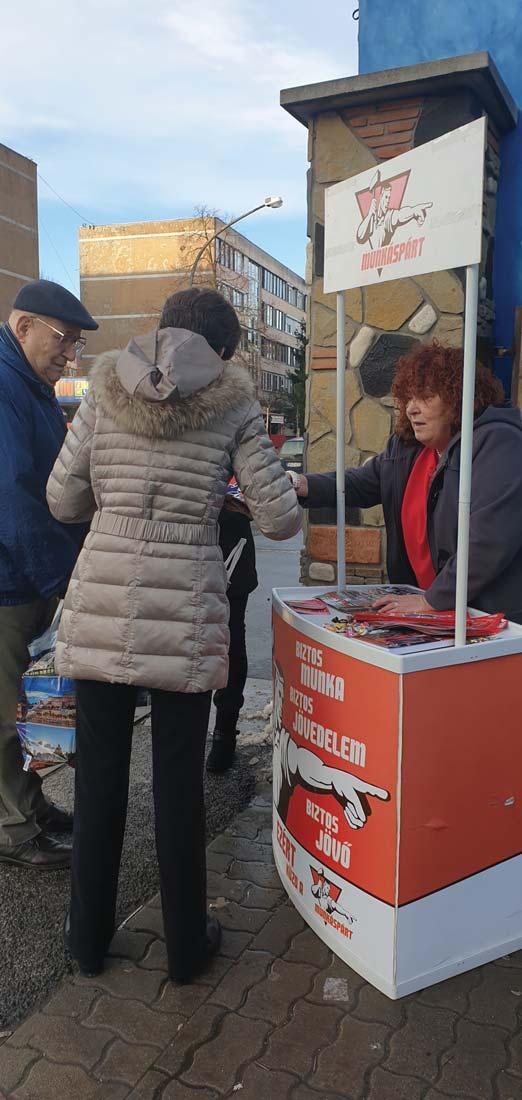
<point>299,482</point>
<point>419,212</point>
<point>348,788</point>
<point>402,605</point>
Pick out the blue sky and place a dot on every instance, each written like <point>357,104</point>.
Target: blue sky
<point>137,111</point>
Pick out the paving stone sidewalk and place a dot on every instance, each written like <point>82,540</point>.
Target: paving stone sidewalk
<point>277,1017</point>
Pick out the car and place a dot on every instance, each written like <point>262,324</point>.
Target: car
<point>291,454</point>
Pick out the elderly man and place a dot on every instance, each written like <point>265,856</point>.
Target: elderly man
<point>37,554</point>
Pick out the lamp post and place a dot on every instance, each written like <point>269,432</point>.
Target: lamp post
<point>274,202</point>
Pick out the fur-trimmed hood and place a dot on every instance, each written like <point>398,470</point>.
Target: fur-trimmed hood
<point>166,383</point>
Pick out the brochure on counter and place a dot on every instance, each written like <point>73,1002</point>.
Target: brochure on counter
<point>357,618</point>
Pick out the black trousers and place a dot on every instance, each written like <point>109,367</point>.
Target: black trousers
<point>105,715</point>
<point>229,700</point>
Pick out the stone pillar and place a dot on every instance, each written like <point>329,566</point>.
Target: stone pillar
<point>353,125</point>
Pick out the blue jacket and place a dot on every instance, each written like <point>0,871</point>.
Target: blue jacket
<point>37,554</point>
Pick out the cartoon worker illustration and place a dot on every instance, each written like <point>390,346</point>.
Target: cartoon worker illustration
<point>327,895</point>
<point>294,765</point>
<point>381,221</point>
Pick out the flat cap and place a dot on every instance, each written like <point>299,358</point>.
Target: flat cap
<point>52,300</point>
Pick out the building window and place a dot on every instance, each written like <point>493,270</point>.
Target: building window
<point>275,318</point>
<point>292,326</point>
<point>230,257</point>
<point>281,289</point>
<point>278,353</point>
<point>253,285</point>
<point>275,383</point>
<point>233,295</point>
<point>224,254</point>
<point>274,284</point>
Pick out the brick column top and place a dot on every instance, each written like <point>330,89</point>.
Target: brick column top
<point>475,72</point>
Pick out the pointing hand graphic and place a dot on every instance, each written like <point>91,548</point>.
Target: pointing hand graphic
<point>420,212</point>
<point>348,788</point>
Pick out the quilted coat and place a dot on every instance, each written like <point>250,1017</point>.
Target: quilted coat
<point>148,457</point>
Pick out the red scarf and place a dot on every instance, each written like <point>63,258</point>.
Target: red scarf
<point>414,517</point>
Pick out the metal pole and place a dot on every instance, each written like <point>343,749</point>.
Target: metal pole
<point>466,451</point>
<point>340,460</point>
<point>217,234</point>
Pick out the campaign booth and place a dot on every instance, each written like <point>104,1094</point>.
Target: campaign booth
<point>398,761</point>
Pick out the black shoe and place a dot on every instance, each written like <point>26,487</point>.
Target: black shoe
<point>56,820</point>
<point>42,853</point>
<point>199,966</point>
<point>221,755</point>
<point>87,970</point>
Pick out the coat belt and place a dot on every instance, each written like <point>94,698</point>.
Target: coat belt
<point>151,530</point>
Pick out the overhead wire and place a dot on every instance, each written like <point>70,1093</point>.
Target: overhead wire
<point>58,196</point>
<point>82,218</point>
<point>62,261</point>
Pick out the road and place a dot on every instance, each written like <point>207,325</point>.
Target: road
<point>32,904</point>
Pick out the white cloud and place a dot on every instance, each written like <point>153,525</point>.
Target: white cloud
<point>130,106</point>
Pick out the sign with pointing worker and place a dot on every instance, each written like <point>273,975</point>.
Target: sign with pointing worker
<point>420,212</point>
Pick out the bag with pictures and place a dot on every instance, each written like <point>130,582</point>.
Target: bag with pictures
<point>46,713</point>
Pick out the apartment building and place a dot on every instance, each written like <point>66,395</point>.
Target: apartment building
<point>18,226</point>
<point>127,272</point>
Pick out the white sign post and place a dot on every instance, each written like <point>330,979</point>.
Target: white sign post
<point>417,213</point>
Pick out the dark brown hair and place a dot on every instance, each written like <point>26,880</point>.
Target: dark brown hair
<point>206,311</point>
<point>434,370</point>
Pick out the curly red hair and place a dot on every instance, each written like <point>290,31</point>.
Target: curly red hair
<point>434,370</point>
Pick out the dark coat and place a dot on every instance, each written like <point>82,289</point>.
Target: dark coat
<point>495,550</point>
<point>37,554</point>
<point>234,526</point>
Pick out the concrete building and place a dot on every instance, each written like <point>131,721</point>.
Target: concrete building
<point>127,272</point>
<point>18,226</point>
<point>355,124</point>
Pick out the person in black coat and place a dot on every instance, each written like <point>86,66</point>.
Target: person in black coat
<point>416,479</point>
<point>234,524</point>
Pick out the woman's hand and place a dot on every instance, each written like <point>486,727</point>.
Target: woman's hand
<point>402,605</point>
<point>299,482</point>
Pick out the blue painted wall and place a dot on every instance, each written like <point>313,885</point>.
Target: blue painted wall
<point>393,33</point>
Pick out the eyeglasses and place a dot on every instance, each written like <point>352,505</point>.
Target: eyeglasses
<point>77,343</point>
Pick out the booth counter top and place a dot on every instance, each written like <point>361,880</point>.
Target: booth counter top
<point>399,660</point>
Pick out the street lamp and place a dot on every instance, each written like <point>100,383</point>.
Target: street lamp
<point>273,201</point>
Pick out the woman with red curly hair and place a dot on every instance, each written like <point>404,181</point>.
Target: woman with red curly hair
<point>416,479</point>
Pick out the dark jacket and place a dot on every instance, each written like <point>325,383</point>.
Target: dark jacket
<point>37,554</point>
<point>495,549</point>
<point>234,526</point>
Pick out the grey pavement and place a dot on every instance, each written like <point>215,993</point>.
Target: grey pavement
<point>33,904</point>
<point>277,1017</point>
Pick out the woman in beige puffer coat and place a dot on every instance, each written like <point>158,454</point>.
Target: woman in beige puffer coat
<point>164,426</point>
